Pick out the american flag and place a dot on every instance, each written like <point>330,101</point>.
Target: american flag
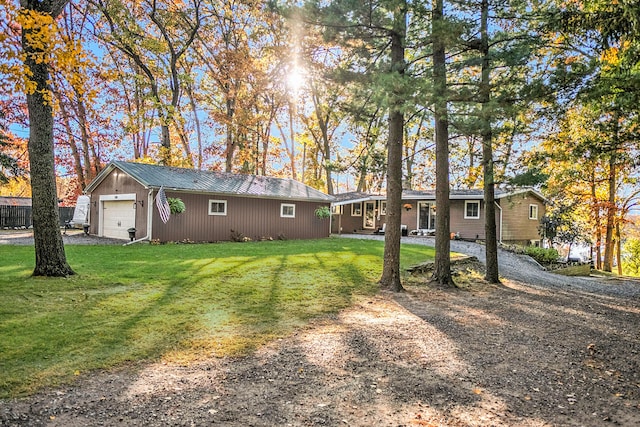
<point>163,205</point>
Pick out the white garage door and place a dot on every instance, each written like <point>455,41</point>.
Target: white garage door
<point>117,217</point>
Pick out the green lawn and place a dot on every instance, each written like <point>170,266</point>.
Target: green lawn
<point>177,302</point>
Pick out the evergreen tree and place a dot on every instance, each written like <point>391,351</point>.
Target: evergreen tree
<point>375,33</point>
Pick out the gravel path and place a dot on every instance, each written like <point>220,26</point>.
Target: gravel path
<point>70,237</point>
<point>524,269</point>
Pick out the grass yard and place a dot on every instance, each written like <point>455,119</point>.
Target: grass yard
<point>175,302</point>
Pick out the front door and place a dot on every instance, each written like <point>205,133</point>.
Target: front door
<point>369,217</point>
<point>427,216</point>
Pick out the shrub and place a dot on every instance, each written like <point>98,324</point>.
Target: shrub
<point>237,236</point>
<point>176,205</point>
<point>323,212</point>
<point>542,255</point>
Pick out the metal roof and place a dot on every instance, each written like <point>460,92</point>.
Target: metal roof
<point>457,194</point>
<point>194,180</point>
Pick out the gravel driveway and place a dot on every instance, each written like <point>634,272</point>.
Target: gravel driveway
<point>70,237</point>
<point>524,269</point>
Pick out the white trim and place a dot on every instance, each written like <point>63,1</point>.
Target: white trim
<point>382,210</point>
<point>468,202</point>
<point>430,205</point>
<point>291,205</point>
<point>500,208</point>
<point>524,191</point>
<point>111,197</point>
<point>531,215</point>
<point>211,201</point>
<point>372,203</point>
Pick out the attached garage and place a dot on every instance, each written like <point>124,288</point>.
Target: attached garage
<point>219,205</point>
<point>118,214</point>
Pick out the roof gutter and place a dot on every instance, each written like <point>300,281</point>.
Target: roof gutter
<point>500,209</point>
<point>149,220</point>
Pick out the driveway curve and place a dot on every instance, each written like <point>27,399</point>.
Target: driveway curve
<point>523,269</point>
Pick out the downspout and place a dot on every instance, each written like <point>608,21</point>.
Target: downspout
<point>149,222</point>
<point>499,208</point>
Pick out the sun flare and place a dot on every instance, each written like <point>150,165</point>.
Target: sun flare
<point>295,79</point>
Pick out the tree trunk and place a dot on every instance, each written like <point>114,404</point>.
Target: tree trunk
<point>292,136</point>
<point>442,267</point>
<point>391,268</point>
<point>75,154</point>
<point>618,248</point>
<point>325,148</point>
<point>491,238</point>
<point>196,120</point>
<point>596,221</point>
<point>230,141</point>
<point>611,213</point>
<point>49,248</point>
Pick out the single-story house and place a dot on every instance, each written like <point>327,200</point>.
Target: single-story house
<point>219,206</point>
<point>518,213</point>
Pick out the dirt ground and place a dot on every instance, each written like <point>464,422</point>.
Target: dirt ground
<point>487,355</point>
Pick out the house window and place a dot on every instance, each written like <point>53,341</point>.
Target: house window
<point>287,210</point>
<point>356,209</point>
<point>383,207</point>
<point>533,211</point>
<point>336,209</point>
<point>218,207</point>
<point>472,210</point>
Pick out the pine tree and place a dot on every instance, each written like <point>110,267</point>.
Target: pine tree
<point>442,268</point>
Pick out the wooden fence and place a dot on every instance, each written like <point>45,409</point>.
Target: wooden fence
<point>13,217</point>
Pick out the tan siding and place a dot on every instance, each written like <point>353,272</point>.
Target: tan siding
<point>517,227</point>
<point>409,217</point>
<point>466,228</point>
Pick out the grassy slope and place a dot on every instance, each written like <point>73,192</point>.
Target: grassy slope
<point>177,302</point>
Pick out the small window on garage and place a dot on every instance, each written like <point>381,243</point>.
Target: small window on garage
<point>356,209</point>
<point>533,211</point>
<point>472,209</point>
<point>217,207</point>
<point>287,210</point>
